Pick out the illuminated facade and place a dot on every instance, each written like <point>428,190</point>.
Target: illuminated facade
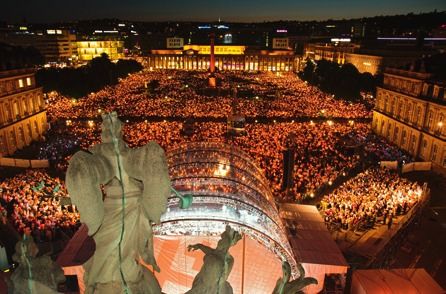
<point>365,60</point>
<point>87,50</point>
<point>227,57</point>
<point>328,51</point>
<point>228,189</point>
<point>22,110</point>
<point>410,112</point>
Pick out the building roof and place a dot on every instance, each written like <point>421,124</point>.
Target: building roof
<point>312,242</point>
<point>394,281</point>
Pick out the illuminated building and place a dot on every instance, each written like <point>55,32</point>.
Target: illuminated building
<point>87,50</point>
<point>22,110</point>
<point>410,112</point>
<point>365,60</point>
<point>54,44</point>
<point>227,57</point>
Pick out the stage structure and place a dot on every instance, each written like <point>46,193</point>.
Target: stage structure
<point>228,189</point>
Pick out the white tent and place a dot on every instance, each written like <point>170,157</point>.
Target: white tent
<point>312,244</point>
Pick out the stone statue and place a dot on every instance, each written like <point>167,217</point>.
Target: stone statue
<point>217,265</point>
<point>34,274</point>
<point>136,186</point>
<point>285,286</point>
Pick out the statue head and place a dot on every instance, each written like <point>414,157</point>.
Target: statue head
<point>229,238</point>
<point>111,127</point>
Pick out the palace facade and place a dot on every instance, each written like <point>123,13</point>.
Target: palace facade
<point>22,110</point>
<point>227,57</point>
<point>410,112</point>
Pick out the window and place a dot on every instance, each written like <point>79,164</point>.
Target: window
<point>412,143</point>
<point>3,149</point>
<point>395,134</point>
<point>25,109</point>
<point>434,152</point>
<point>423,148</point>
<point>21,85</point>
<point>28,81</point>
<point>403,138</point>
<point>430,119</point>
<point>15,108</point>
<point>418,116</point>
<point>408,111</point>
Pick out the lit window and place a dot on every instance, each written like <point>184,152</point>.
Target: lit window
<point>28,81</point>
<point>21,83</point>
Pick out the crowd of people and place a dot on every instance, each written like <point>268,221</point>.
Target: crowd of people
<point>323,150</point>
<point>180,94</point>
<point>376,195</point>
<point>33,202</point>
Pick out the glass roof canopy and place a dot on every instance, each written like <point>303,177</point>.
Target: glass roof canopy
<point>228,188</point>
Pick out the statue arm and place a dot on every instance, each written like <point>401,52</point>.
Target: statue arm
<point>206,249</point>
<point>86,172</point>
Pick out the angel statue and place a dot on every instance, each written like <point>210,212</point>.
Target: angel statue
<point>34,274</point>
<point>285,286</point>
<point>217,265</point>
<point>136,186</point>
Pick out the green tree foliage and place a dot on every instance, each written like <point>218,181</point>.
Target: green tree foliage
<point>344,81</point>
<point>78,82</point>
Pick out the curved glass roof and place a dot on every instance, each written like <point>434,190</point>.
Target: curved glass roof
<point>228,188</point>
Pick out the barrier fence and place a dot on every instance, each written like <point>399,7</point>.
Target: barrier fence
<point>24,163</point>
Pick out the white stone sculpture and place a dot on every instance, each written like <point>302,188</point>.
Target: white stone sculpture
<point>136,186</point>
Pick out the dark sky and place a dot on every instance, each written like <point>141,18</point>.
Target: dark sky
<point>204,10</point>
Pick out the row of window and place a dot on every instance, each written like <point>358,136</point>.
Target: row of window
<point>18,137</point>
<point>17,108</point>
<point>409,141</point>
<point>413,113</point>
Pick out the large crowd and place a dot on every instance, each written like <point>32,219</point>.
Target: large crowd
<point>323,150</point>
<point>180,94</point>
<point>34,204</point>
<point>376,195</point>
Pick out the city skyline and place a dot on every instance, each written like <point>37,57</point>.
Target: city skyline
<point>176,10</point>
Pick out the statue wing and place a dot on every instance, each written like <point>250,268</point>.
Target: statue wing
<point>86,172</point>
<point>149,165</point>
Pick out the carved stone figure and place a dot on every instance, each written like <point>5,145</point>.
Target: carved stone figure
<point>136,185</point>
<point>34,274</point>
<point>217,265</point>
<point>285,286</point>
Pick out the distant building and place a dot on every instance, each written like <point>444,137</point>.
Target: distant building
<point>227,57</point>
<point>87,50</point>
<point>174,43</point>
<point>410,112</point>
<point>372,60</point>
<point>54,44</point>
<point>281,43</point>
<point>328,51</point>
<point>22,110</point>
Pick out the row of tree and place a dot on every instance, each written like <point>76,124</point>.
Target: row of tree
<point>344,81</point>
<point>14,57</point>
<point>78,82</point>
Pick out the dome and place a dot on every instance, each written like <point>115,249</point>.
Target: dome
<point>228,188</point>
